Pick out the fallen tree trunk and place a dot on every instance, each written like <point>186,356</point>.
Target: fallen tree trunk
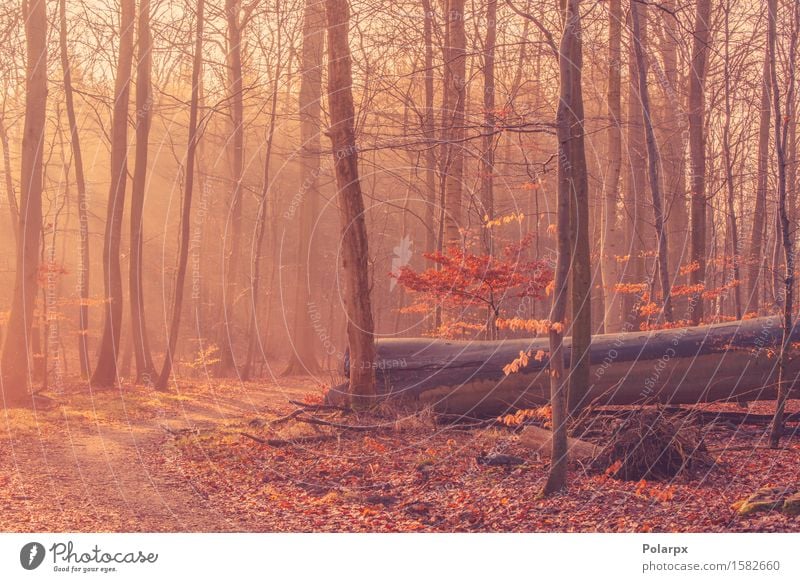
<point>727,361</point>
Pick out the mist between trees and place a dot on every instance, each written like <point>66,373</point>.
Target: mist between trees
<point>416,168</point>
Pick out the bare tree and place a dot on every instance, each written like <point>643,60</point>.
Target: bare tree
<point>188,190</point>
<point>355,247</point>
<point>781,143</point>
<point>105,373</point>
<point>489,123</point>
<point>653,163</point>
<point>17,357</point>
<point>302,359</point>
<point>610,240</point>
<point>233,231</point>
<point>572,186</point>
<point>84,265</point>
<point>729,166</point>
<point>697,145</point>
<point>757,255</point>
<point>145,370</point>
<point>455,71</point>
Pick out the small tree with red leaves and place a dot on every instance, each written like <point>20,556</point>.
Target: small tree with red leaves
<point>463,281</point>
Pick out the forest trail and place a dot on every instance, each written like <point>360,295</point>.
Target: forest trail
<point>110,463</point>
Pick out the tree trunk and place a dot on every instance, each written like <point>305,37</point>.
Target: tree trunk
<point>489,122</point>
<point>188,187</point>
<point>355,248</point>
<point>697,145</point>
<point>757,254</point>
<point>455,70</point>
<point>576,175</point>
<point>17,358</point>
<point>233,227</point>
<point>428,131</point>
<point>572,189</point>
<point>785,381</point>
<point>105,374</point>
<point>729,178</point>
<point>83,215</point>
<point>611,236</point>
<point>732,361</point>
<point>145,370</point>
<point>673,159</point>
<point>635,191</point>
<point>302,359</point>
<point>653,164</point>
<point>261,225</point>
<point>11,195</point>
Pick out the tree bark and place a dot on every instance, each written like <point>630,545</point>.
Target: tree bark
<point>653,164</point>
<point>455,70</point>
<point>355,247</point>
<point>84,264</point>
<point>572,189</point>
<point>188,189</point>
<point>489,123</point>
<point>105,373</point>
<point>697,144</point>
<point>428,130</point>
<point>233,229</point>
<point>611,236</point>
<point>11,194</point>
<point>785,382</point>
<point>732,361</point>
<point>635,192</point>
<point>17,358</point>
<point>302,359</point>
<point>145,369</point>
<point>673,159</point>
<point>729,178</point>
<point>261,226</point>
<point>757,255</point>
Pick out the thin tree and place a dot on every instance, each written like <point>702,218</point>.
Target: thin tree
<point>610,239</point>
<point>729,178</point>
<point>455,71</point>
<point>84,265</point>
<point>145,370</point>
<point>11,193</point>
<point>302,359</point>
<point>781,142</point>
<point>674,147</point>
<point>17,358</point>
<point>188,188</point>
<point>233,231</point>
<point>105,373</point>
<point>354,245</point>
<point>428,129</point>
<point>653,163</point>
<point>635,188</point>
<point>757,255</point>
<point>572,186</point>
<point>489,122</point>
<point>261,217</point>
<point>697,153</point>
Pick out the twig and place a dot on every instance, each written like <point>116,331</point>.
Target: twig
<point>320,422</point>
<point>319,406</point>
<point>294,441</point>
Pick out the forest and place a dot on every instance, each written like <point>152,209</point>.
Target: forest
<point>419,265</point>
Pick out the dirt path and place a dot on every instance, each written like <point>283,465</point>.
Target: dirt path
<point>109,463</point>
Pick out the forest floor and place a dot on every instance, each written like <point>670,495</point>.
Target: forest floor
<point>226,457</point>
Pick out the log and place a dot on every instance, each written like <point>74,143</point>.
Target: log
<point>540,440</point>
<point>733,361</point>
